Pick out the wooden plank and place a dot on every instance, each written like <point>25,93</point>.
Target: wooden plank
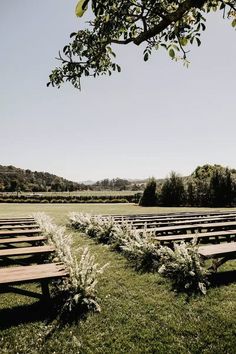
<point>22,239</point>
<point>216,251</point>
<point>15,227</point>
<point>23,222</point>
<point>188,237</point>
<point>22,251</point>
<point>19,232</point>
<point>195,227</point>
<point>21,274</point>
<point>17,219</point>
<point>169,215</point>
<point>177,220</point>
<point>149,224</point>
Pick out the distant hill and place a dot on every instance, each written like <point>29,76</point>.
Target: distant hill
<point>16,179</point>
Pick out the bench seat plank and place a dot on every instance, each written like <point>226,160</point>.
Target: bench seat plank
<point>15,227</point>
<point>196,227</point>
<point>177,221</point>
<point>19,232</point>
<point>216,251</point>
<point>22,251</point>
<point>168,216</point>
<point>16,219</point>
<point>21,274</point>
<point>26,222</point>
<point>183,237</point>
<point>22,239</point>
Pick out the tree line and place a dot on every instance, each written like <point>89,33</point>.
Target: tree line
<point>14,179</point>
<point>207,186</point>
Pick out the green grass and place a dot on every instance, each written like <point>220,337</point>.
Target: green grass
<point>140,313</point>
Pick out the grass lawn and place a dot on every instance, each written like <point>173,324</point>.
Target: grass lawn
<point>140,313</point>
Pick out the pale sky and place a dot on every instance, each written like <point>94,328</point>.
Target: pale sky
<point>148,120</point>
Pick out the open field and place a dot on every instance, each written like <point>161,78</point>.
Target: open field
<point>140,313</point>
<point>60,211</point>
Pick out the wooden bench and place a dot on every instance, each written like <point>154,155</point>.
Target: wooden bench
<point>219,253</point>
<point>19,232</point>
<point>18,218</point>
<point>42,273</point>
<point>15,227</point>
<point>17,222</point>
<point>156,224</point>
<point>173,221</point>
<point>170,216</point>
<point>191,228</point>
<point>23,251</point>
<point>200,236</point>
<point>22,239</point>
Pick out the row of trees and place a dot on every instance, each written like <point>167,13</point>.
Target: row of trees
<point>117,184</point>
<point>14,179</point>
<point>212,186</point>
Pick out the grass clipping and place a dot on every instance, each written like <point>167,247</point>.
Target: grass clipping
<point>78,291</point>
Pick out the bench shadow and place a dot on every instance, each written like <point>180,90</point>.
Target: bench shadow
<point>23,314</point>
<point>223,278</point>
<point>44,311</point>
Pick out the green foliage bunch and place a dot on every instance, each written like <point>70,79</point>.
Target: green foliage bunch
<point>158,24</point>
<point>184,267</point>
<point>149,197</point>
<point>78,291</point>
<point>141,250</point>
<point>104,229</point>
<point>173,191</point>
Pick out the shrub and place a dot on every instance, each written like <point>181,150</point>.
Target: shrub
<point>184,267</point>
<point>78,291</point>
<point>173,191</point>
<point>141,250</point>
<point>137,248</point>
<point>104,229</point>
<point>149,197</point>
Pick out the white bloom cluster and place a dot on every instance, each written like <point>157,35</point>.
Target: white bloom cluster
<point>80,286</point>
<point>184,266</point>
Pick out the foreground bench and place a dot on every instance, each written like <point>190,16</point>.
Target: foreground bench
<point>42,273</point>
<point>24,251</point>
<point>17,222</point>
<point>18,227</point>
<point>219,253</point>
<point>22,239</point>
<point>19,232</point>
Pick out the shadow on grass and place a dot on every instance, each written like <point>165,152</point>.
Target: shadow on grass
<point>18,315</point>
<point>223,278</point>
<point>46,312</point>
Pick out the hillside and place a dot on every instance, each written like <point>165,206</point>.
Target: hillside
<point>17,179</point>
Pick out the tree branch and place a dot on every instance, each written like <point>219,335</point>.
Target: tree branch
<point>170,18</point>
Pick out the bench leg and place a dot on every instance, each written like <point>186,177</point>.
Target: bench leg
<point>216,263</point>
<point>45,290</point>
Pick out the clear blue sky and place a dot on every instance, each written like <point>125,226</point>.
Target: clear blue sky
<point>152,118</point>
